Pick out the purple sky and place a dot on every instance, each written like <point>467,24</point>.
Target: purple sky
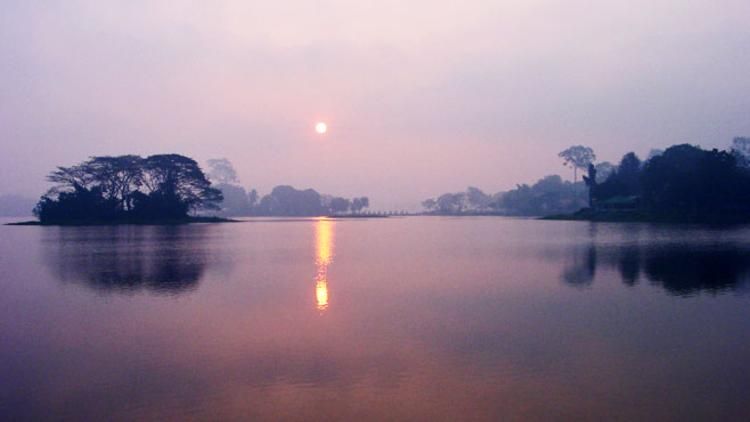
<point>421,97</point>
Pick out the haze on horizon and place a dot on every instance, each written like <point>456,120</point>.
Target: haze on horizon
<point>420,97</point>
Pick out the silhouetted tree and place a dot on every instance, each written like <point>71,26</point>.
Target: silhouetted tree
<point>603,170</point>
<point>176,185</point>
<point>577,157</point>
<point>252,198</point>
<point>691,182</point>
<point>107,188</point>
<point>472,201</point>
<point>67,178</point>
<point>741,150</point>
<point>429,204</point>
<point>655,152</point>
<point>358,204</point>
<point>116,177</point>
<point>221,171</point>
<point>590,181</point>
<point>628,172</point>
<point>236,201</point>
<point>451,203</point>
<point>80,204</point>
<point>623,182</point>
<point>339,205</point>
<point>685,182</point>
<point>549,195</point>
<point>477,199</point>
<point>287,201</point>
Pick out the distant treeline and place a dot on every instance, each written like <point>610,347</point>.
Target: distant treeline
<point>283,200</point>
<point>286,201</point>
<point>684,183</point>
<point>549,195</point>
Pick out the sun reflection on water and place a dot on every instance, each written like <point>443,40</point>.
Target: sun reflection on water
<point>324,256</point>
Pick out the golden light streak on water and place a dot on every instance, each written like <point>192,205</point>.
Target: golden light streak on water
<point>324,256</point>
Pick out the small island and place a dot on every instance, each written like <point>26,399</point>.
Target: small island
<point>128,189</point>
<point>168,189</point>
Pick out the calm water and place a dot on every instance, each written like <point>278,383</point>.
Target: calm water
<point>414,318</point>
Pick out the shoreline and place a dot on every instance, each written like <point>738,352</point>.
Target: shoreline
<point>582,215</point>
<point>644,217</point>
<point>126,222</point>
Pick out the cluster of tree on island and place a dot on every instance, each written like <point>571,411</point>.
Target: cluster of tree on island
<point>128,187</point>
<point>683,182</point>
<point>283,200</point>
<point>169,187</point>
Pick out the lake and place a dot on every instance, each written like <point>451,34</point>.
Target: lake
<point>413,318</point>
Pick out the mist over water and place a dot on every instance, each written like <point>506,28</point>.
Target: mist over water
<point>420,97</point>
<point>408,318</point>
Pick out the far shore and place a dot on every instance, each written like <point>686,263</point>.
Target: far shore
<point>358,216</point>
<point>171,222</point>
<point>609,216</point>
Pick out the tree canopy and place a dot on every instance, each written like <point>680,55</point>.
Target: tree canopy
<point>285,200</point>
<point>577,157</point>
<point>684,182</point>
<point>127,187</point>
<point>221,170</point>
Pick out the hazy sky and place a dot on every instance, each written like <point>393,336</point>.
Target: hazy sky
<point>421,97</point>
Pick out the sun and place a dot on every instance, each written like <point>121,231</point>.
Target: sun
<point>321,128</point>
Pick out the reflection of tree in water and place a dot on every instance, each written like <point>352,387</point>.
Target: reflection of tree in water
<point>681,269</point>
<point>581,269</point>
<point>684,271</point>
<point>629,265</point>
<point>163,259</point>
